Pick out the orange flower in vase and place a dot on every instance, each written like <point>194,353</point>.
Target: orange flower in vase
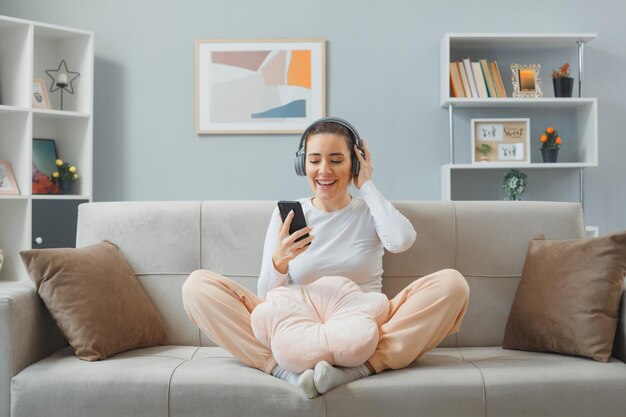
<point>550,144</point>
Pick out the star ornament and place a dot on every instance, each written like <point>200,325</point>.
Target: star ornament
<point>62,78</point>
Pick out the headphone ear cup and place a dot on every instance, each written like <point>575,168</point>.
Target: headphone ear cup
<point>299,165</point>
<point>356,165</point>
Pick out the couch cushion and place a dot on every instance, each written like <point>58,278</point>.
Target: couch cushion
<point>569,295</point>
<point>215,384</point>
<point>440,384</point>
<point>233,233</point>
<point>164,235</point>
<point>491,244</point>
<point>133,383</point>
<point>95,299</point>
<point>531,384</point>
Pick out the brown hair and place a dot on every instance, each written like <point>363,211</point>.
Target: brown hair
<point>333,128</point>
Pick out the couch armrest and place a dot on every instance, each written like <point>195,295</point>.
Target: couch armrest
<point>619,347</point>
<point>27,334</point>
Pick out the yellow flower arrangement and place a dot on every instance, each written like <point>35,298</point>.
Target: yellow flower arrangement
<point>65,172</point>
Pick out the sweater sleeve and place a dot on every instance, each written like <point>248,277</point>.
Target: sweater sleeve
<point>270,277</point>
<point>394,230</point>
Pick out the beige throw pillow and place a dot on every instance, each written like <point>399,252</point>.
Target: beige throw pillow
<point>96,300</point>
<point>568,298</point>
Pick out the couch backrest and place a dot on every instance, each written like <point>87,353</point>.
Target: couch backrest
<point>486,241</point>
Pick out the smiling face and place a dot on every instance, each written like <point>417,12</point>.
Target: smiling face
<point>329,170</point>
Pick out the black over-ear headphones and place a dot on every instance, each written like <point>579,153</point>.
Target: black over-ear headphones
<point>300,161</point>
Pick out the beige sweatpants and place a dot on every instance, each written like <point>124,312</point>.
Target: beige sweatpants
<point>420,317</point>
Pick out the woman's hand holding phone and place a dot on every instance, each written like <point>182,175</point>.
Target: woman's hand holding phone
<point>287,248</point>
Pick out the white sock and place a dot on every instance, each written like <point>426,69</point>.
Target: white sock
<point>304,380</point>
<point>328,377</point>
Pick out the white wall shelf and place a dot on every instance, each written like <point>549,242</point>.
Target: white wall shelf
<point>60,197</point>
<point>60,114</point>
<point>576,118</point>
<point>27,49</point>
<point>498,165</point>
<point>549,102</point>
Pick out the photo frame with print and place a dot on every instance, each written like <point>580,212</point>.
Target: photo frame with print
<point>259,86</point>
<point>8,185</point>
<point>526,81</point>
<point>40,95</point>
<point>44,164</point>
<point>503,141</point>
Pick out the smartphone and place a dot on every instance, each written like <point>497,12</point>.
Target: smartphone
<point>298,222</point>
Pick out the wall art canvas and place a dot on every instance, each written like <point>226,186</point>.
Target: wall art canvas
<point>44,164</point>
<point>259,86</point>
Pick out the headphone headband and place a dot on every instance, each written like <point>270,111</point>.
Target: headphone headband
<point>300,155</point>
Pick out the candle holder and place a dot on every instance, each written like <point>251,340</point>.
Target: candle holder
<point>62,79</point>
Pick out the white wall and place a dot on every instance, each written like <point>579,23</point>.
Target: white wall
<point>382,73</point>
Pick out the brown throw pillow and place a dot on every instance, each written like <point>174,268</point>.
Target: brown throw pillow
<point>568,298</point>
<point>96,300</point>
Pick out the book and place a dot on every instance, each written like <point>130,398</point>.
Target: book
<point>491,87</point>
<point>456,85</point>
<point>470,77</point>
<point>466,87</point>
<point>480,80</point>
<point>495,70</point>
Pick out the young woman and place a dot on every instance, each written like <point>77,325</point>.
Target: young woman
<point>347,237</point>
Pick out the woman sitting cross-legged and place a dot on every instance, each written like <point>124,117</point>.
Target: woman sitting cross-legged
<point>347,237</point>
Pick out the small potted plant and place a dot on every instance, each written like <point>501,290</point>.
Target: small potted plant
<point>563,83</point>
<point>484,149</point>
<point>550,144</point>
<point>65,175</point>
<point>514,184</point>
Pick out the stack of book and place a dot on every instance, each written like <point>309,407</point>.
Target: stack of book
<point>479,79</point>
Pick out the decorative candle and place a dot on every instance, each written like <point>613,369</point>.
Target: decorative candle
<point>62,78</point>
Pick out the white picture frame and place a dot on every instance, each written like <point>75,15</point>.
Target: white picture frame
<point>509,140</point>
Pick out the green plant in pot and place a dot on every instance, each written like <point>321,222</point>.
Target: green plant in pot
<point>562,82</point>
<point>66,176</point>
<point>484,150</point>
<point>550,144</point>
<point>514,184</point>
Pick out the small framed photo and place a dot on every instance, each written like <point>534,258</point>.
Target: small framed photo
<point>8,185</point>
<point>259,86</point>
<point>44,164</point>
<point>40,95</point>
<point>526,81</point>
<point>500,141</point>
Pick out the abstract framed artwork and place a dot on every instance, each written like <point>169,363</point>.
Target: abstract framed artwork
<point>259,86</point>
<point>44,164</point>
<point>500,141</point>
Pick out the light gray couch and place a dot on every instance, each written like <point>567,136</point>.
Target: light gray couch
<point>469,374</point>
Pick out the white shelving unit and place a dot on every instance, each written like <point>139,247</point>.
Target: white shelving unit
<point>27,49</point>
<point>575,118</point>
